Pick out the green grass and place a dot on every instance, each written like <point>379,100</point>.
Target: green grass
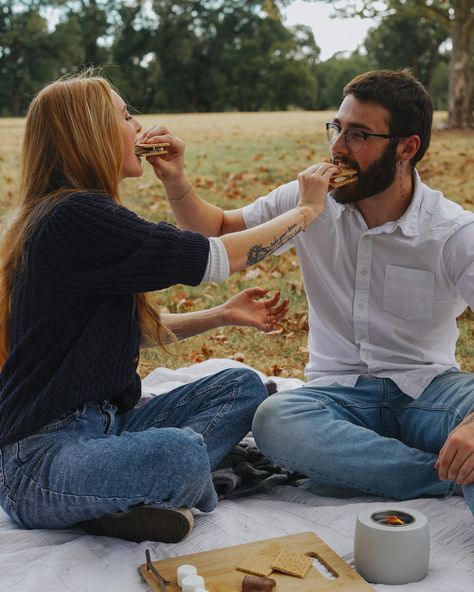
<point>233,158</point>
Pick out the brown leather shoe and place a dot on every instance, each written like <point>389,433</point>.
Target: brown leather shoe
<point>144,523</point>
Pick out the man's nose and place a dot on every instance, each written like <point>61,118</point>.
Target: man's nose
<point>339,145</point>
<point>339,142</point>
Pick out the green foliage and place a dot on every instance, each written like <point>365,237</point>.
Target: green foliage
<point>439,83</point>
<point>335,73</point>
<point>24,51</point>
<point>409,20</point>
<point>230,55</point>
<point>403,41</point>
<point>213,55</point>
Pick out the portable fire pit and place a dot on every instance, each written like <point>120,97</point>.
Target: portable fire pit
<point>391,546</point>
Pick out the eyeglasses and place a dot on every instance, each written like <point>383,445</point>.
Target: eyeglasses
<point>354,138</point>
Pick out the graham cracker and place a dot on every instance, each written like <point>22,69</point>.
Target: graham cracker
<point>291,563</point>
<point>257,564</point>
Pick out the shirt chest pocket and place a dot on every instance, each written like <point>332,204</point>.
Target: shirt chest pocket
<point>408,293</point>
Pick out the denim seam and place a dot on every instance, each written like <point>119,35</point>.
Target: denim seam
<point>72,495</point>
<point>384,406</point>
<point>228,403</point>
<point>187,399</point>
<point>2,470</point>
<point>296,466</point>
<point>444,408</point>
<point>191,395</point>
<point>322,403</point>
<point>59,424</point>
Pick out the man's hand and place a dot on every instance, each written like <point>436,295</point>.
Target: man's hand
<point>456,458</point>
<point>245,310</point>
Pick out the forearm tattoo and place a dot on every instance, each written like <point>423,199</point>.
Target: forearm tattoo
<point>259,252</point>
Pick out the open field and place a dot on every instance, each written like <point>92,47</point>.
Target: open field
<point>233,158</point>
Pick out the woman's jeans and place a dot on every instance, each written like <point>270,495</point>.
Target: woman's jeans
<point>370,438</point>
<point>94,461</point>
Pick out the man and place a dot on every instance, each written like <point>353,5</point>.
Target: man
<point>387,266</point>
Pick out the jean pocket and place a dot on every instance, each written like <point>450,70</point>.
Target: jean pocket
<point>61,422</point>
<point>408,293</point>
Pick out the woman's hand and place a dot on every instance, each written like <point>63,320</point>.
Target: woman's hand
<point>245,310</point>
<point>169,167</point>
<point>314,184</point>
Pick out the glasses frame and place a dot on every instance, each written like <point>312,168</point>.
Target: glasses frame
<point>332,125</point>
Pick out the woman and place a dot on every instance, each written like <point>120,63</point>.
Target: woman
<point>76,272</point>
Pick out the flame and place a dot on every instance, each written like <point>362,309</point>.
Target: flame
<point>393,519</point>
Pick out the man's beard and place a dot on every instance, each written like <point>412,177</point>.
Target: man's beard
<point>377,178</point>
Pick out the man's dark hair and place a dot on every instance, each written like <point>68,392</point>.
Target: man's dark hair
<point>405,98</point>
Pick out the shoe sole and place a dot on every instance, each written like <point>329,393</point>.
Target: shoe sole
<point>143,524</point>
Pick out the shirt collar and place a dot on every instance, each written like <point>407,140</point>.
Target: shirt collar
<point>408,223</point>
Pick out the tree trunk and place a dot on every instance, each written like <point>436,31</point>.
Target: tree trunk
<point>460,80</point>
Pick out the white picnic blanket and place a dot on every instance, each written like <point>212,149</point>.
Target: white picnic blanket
<point>70,561</point>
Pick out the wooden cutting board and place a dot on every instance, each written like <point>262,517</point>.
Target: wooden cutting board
<point>217,567</point>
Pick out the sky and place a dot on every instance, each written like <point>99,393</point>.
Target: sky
<point>331,35</point>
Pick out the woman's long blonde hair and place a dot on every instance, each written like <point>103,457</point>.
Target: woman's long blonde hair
<point>72,143</point>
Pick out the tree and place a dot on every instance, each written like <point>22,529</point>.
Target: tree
<point>129,60</point>
<point>333,74</point>
<point>89,22</point>
<point>224,54</point>
<point>458,16</point>
<point>420,49</point>
<point>26,54</point>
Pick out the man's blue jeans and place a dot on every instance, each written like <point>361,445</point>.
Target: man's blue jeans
<point>370,438</point>
<point>94,461</point>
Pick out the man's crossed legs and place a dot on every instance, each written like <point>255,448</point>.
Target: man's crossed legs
<point>371,438</point>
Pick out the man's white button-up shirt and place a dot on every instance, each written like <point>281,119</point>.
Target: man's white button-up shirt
<point>382,301</point>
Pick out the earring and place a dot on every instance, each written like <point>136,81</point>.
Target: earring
<point>400,176</point>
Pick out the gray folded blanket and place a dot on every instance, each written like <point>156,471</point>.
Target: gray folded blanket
<point>246,471</point>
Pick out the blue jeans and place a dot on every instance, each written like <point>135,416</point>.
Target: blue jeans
<point>370,438</point>
<point>95,461</point>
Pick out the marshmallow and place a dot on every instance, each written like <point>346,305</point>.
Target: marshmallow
<point>190,583</point>
<point>183,571</point>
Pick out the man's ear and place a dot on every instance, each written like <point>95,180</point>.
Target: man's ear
<point>408,147</point>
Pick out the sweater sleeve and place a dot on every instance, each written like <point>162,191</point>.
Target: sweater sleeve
<point>91,244</point>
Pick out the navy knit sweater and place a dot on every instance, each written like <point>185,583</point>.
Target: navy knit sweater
<point>74,328</point>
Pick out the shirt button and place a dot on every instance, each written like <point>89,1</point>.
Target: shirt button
<point>360,306</point>
<point>363,272</point>
<point>362,337</point>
